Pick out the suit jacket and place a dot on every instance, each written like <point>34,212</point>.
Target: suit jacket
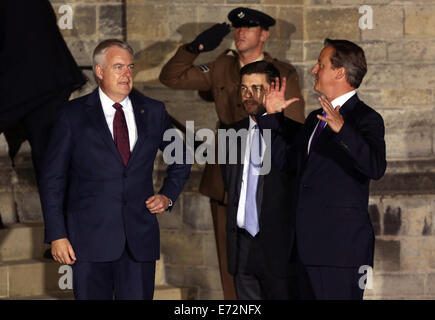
<point>274,195</point>
<point>87,193</point>
<point>38,63</point>
<point>332,221</point>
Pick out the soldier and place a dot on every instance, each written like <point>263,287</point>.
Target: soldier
<point>220,79</point>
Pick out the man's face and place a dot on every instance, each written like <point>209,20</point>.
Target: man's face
<point>250,38</point>
<point>253,88</point>
<point>116,73</point>
<point>325,76</point>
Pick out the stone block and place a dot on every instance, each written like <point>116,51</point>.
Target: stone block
<point>204,278</point>
<point>32,277</point>
<point>285,50</point>
<point>420,21</point>
<point>387,255</point>
<point>407,118</point>
<point>430,284</point>
<point>7,207</point>
<point>82,50</point>
<point>28,206</point>
<point>182,247</point>
<point>312,51</point>
<point>387,24</point>
<point>398,284</point>
<point>412,50</point>
<point>111,21</point>
<point>174,218</point>
<point>197,212</point>
<point>210,294</point>
<point>383,76</point>
<point>147,22</point>
<point>371,97</point>
<point>210,250</point>
<point>406,97</point>
<point>375,218</point>
<point>4,284</point>
<point>418,76</point>
<point>402,144</point>
<point>375,51</point>
<point>337,23</point>
<point>289,23</point>
<point>84,22</point>
<point>417,254</point>
<point>4,149</point>
<point>21,241</point>
<point>183,25</point>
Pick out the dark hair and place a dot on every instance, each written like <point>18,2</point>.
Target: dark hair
<point>261,67</point>
<point>350,56</point>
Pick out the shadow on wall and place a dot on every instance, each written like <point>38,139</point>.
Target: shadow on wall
<point>150,60</point>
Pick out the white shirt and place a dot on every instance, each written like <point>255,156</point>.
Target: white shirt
<point>109,113</point>
<point>341,100</point>
<point>242,199</point>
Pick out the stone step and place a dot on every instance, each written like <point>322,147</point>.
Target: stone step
<point>34,277</point>
<point>161,292</point>
<point>21,241</point>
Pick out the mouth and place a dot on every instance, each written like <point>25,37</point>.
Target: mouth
<point>124,83</point>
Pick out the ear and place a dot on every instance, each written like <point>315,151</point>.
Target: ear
<point>99,71</point>
<point>341,73</point>
<point>264,35</point>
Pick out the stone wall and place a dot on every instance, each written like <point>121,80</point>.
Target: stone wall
<point>399,84</point>
<point>400,50</point>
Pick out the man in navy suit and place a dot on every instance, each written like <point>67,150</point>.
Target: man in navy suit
<point>340,148</point>
<point>96,184</point>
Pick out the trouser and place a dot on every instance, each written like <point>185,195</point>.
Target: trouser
<point>254,280</point>
<point>329,283</point>
<point>219,215</point>
<point>123,279</point>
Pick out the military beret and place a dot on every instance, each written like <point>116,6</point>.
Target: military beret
<point>245,17</point>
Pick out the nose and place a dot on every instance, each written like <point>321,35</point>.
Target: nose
<point>127,72</point>
<point>315,69</point>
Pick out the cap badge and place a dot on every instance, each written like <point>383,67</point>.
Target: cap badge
<point>241,15</point>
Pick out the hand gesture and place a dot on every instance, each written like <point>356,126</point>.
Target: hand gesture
<point>209,39</point>
<point>157,203</point>
<point>333,117</point>
<point>275,97</point>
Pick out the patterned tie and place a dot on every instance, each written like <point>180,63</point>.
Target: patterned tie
<point>251,215</point>
<point>319,129</point>
<point>120,133</point>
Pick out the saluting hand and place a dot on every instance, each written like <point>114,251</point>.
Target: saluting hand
<point>275,97</point>
<point>333,117</point>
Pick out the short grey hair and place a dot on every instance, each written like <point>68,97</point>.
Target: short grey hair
<point>100,51</point>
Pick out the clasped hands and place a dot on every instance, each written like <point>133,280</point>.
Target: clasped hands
<point>275,102</point>
<point>63,252</point>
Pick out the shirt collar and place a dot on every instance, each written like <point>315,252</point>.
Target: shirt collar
<point>341,100</point>
<point>105,100</point>
<point>252,123</point>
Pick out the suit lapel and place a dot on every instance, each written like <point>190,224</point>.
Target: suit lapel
<point>95,112</point>
<point>140,115</point>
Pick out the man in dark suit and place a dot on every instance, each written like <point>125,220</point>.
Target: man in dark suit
<point>98,168</point>
<point>340,148</point>
<point>259,223</point>
<point>38,74</point>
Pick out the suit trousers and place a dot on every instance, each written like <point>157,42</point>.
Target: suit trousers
<point>329,283</point>
<point>253,280</point>
<point>219,215</point>
<point>123,279</point>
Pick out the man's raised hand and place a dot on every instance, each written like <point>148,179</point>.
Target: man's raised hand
<point>275,97</point>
